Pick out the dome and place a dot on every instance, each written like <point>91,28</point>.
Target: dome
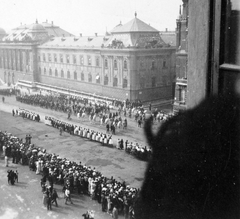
<point>37,28</point>
<point>2,31</point>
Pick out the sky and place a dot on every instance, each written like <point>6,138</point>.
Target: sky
<point>89,16</point>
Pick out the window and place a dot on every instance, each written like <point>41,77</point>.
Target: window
<point>115,64</point>
<point>39,58</point>
<point>98,79</point>
<point>153,65</point>
<point>13,78</point>
<point>106,63</point>
<point>81,60</point>
<point>44,58</point>
<point>67,59</point>
<point>56,72</point>
<point>89,77</point>
<point>74,59</point>
<point>142,84</point>
<point>49,57</point>
<point>50,71</point>
<point>82,76</point>
<point>89,60</point>
<point>164,64</point>
<point>75,75</point>
<point>125,65</point>
<point>62,73</point>
<point>141,64</point>
<point>125,82</point>
<point>55,57</point>
<point>68,74</point>
<point>97,62</point>
<point>153,81</point>
<point>61,58</point>
<point>115,81</point>
<point>45,71</point>
<point>105,80</point>
<point>39,70</point>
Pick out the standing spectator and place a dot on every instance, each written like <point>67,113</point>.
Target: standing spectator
<point>54,197</point>
<point>68,195</point>
<point>115,212</point>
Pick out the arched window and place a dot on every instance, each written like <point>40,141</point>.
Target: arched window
<point>106,63</point>
<point>68,74</point>
<point>62,73</point>
<point>75,75</point>
<point>56,72</point>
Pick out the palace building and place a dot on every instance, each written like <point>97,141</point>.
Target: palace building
<point>132,62</point>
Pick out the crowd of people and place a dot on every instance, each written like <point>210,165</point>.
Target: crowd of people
<point>8,91</point>
<point>74,177</point>
<point>26,114</point>
<point>140,152</point>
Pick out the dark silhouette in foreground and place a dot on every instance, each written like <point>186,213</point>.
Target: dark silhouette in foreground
<point>194,171</point>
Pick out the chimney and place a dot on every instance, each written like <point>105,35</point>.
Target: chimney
<point>80,34</point>
<point>166,30</point>
<point>52,23</point>
<point>46,20</point>
<point>95,34</point>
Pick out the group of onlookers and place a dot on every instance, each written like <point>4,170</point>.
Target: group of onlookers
<point>114,197</point>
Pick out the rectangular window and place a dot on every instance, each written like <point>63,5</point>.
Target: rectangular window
<point>55,57</point>
<point>74,59</point>
<point>89,60</point>
<point>39,58</point>
<point>81,60</point>
<point>44,58</point>
<point>97,62</point>
<point>61,58</point>
<point>49,57</point>
<point>125,65</point>
<point>67,59</point>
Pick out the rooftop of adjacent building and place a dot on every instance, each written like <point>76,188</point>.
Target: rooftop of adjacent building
<point>134,33</point>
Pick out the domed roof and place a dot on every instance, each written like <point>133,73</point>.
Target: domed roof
<point>37,28</point>
<point>2,31</point>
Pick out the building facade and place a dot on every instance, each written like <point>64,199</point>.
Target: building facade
<point>181,59</point>
<point>133,62</point>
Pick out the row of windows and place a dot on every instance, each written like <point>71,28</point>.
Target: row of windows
<point>89,79</point>
<point>81,59</point>
<point>75,75</point>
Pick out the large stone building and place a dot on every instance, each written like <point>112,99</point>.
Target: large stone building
<point>133,62</point>
<point>181,59</point>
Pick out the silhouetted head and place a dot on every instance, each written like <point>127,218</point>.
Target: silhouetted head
<point>194,171</point>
